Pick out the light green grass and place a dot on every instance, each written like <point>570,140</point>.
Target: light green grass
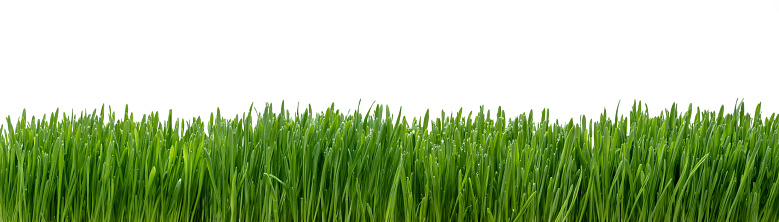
<point>334,166</point>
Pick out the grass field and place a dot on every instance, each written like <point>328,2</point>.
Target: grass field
<point>687,164</point>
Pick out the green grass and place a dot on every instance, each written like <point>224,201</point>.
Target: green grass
<point>681,165</point>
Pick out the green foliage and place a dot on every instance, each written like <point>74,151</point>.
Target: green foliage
<point>334,166</point>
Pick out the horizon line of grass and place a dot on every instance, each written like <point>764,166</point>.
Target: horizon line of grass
<point>688,165</point>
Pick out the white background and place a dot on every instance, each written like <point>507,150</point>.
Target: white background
<point>575,57</point>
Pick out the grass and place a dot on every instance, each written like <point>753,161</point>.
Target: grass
<point>334,166</point>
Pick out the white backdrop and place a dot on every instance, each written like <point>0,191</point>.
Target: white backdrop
<point>575,57</point>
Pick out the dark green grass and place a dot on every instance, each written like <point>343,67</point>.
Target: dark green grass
<point>333,166</point>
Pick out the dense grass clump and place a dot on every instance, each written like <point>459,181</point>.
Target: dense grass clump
<point>334,166</point>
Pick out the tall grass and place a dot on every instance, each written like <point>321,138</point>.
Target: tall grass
<point>334,166</point>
